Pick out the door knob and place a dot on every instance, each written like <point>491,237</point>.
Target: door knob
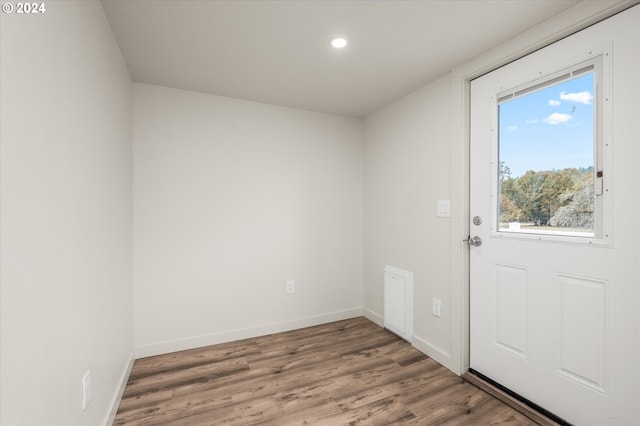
<point>474,241</point>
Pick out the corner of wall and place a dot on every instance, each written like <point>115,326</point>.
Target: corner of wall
<point>117,395</point>
<point>374,316</point>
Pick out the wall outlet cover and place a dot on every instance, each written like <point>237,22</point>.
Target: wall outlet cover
<point>290,287</point>
<point>437,307</point>
<point>86,389</point>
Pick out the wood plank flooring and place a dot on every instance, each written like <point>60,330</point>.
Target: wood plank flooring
<point>349,372</point>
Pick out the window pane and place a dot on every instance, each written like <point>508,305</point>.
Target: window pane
<point>546,146</point>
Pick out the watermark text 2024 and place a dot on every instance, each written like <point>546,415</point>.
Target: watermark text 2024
<point>24,8</point>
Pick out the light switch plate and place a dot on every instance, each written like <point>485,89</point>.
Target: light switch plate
<point>444,208</point>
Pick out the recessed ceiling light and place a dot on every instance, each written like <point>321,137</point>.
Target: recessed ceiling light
<point>339,42</point>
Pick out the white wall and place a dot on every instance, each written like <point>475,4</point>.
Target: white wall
<point>231,199</point>
<point>65,216</point>
<point>407,171</point>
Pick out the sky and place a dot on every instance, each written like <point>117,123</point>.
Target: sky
<point>549,129</point>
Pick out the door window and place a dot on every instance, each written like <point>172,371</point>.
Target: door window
<point>549,175</point>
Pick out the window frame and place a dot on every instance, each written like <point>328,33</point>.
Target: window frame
<point>600,60</point>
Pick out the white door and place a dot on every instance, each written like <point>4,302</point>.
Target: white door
<point>554,193</point>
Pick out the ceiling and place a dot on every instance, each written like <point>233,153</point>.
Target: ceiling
<point>278,52</point>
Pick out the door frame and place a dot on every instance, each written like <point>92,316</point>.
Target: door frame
<point>569,22</point>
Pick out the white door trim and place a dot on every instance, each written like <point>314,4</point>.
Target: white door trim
<point>569,22</point>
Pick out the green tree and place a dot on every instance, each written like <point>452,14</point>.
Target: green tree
<point>577,213</point>
<point>537,196</point>
<point>510,196</point>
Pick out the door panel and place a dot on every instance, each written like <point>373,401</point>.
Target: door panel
<point>510,286</point>
<point>580,329</point>
<point>553,315</point>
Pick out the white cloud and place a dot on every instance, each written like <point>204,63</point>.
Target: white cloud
<point>554,102</point>
<point>512,128</point>
<point>578,97</point>
<point>557,118</point>
<point>534,121</point>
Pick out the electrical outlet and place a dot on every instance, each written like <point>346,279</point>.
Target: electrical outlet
<point>291,287</point>
<point>437,307</point>
<point>86,389</point>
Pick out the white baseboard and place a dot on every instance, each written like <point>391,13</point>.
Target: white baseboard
<point>437,354</point>
<point>117,397</point>
<point>182,344</point>
<point>374,316</point>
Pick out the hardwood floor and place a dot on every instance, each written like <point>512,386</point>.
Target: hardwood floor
<point>349,372</point>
